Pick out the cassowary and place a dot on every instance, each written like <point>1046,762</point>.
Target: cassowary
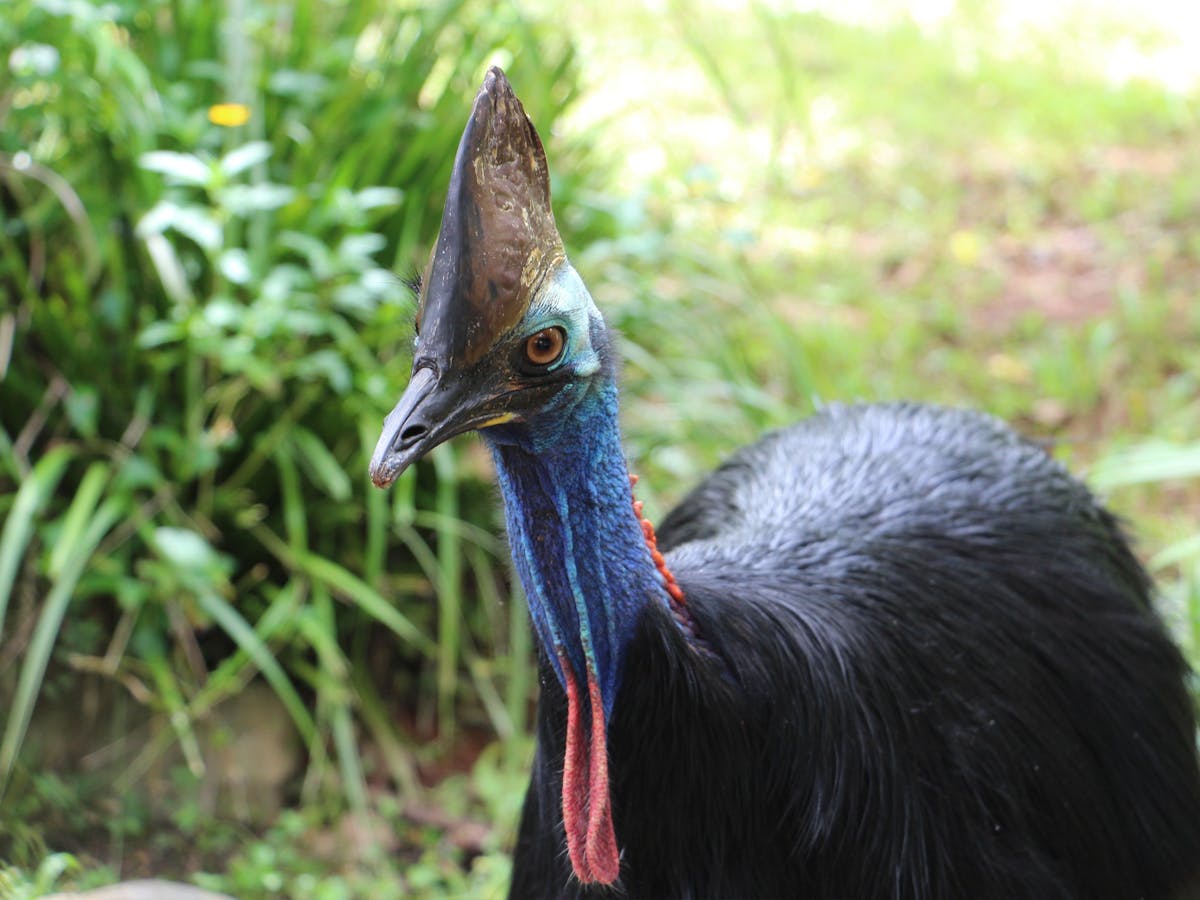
<point>892,652</point>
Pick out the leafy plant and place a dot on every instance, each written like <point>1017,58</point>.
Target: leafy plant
<point>16,884</point>
<point>205,208</point>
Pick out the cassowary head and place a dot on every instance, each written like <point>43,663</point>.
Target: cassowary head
<point>505,327</point>
<point>509,342</point>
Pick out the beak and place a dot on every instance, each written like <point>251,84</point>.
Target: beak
<point>496,245</point>
<point>432,410</point>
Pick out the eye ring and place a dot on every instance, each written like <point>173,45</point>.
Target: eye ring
<point>545,347</point>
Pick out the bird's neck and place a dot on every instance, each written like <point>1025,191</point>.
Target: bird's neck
<point>590,570</point>
<point>577,542</point>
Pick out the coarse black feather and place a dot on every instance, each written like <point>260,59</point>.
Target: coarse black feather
<point>933,671</point>
<point>413,282</point>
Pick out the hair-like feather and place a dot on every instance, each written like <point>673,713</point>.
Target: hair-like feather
<point>934,673</point>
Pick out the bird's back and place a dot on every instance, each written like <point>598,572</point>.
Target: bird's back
<point>867,476</point>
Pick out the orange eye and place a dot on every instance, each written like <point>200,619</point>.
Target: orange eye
<point>545,347</point>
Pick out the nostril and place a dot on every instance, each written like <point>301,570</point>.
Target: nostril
<point>410,436</point>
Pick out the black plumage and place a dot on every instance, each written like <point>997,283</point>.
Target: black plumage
<point>893,652</point>
<point>934,673</point>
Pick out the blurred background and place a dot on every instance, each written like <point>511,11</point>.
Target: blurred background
<point>224,657</point>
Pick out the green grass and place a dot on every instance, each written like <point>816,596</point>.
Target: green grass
<point>777,209</point>
<point>888,213</point>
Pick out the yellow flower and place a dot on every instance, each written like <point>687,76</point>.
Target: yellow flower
<point>966,247</point>
<point>1004,367</point>
<point>229,115</point>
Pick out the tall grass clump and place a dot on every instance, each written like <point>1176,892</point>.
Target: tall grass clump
<point>206,214</point>
<point>1166,464</point>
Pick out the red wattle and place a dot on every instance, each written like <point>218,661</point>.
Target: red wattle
<point>587,812</point>
<point>601,839</point>
<point>574,783</point>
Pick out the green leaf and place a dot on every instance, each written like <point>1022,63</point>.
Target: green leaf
<point>171,696</point>
<point>314,251</point>
<point>1176,553</point>
<point>188,551</point>
<point>158,219</point>
<point>33,60</point>
<point>199,224</point>
<point>361,247</point>
<point>221,312</point>
<point>252,645</point>
<point>195,222</point>
<point>376,197</point>
<point>244,199</point>
<point>41,645</point>
<point>170,270</point>
<point>244,157</point>
<point>1149,462</point>
<point>346,743</point>
<point>138,472</point>
<point>52,868</point>
<point>235,265</point>
<point>326,472</point>
<point>341,581</point>
<point>156,334</point>
<point>295,516</point>
<point>82,406</point>
<point>180,168</point>
<point>279,619</point>
<point>292,83</point>
<point>86,498</point>
<point>37,488</point>
<point>330,366</point>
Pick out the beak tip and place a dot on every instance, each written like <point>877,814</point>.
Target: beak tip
<point>387,464</point>
<point>382,474</point>
<point>381,479</point>
<point>389,460</point>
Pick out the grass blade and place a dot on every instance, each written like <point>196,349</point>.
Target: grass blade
<point>295,519</point>
<point>18,527</point>
<point>326,472</point>
<point>86,498</point>
<point>380,722</point>
<point>1176,553</point>
<point>348,585</point>
<point>253,646</point>
<point>232,674</point>
<point>33,669</point>
<point>375,549</point>
<point>1149,462</point>
<point>450,579</point>
<point>336,690</point>
<point>181,722</point>
<point>342,581</point>
<point>521,666</point>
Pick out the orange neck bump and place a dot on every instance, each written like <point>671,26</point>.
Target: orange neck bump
<point>678,604</point>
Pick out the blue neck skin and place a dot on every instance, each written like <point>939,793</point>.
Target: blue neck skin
<point>577,544</point>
